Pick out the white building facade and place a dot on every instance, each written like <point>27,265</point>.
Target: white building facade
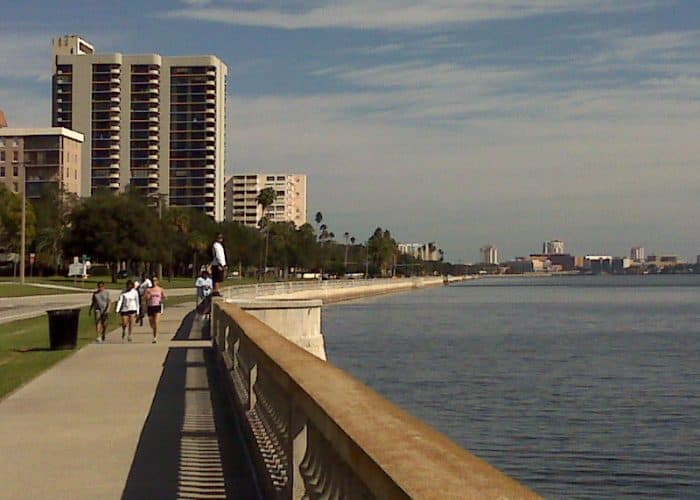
<point>153,123</point>
<point>489,254</point>
<point>242,191</point>
<point>428,252</point>
<point>637,254</point>
<point>553,247</point>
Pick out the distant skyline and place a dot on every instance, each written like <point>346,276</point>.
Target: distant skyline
<point>454,121</point>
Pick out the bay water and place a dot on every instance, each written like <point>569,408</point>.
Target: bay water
<point>579,387</point>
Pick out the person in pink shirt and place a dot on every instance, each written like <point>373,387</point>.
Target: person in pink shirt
<point>154,300</point>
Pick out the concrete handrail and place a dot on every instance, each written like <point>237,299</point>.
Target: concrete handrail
<point>316,432</point>
<point>287,287</point>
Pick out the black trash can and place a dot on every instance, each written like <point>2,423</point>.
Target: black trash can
<point>63,328</point>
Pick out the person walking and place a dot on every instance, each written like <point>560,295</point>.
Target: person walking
<point>142,285</point>
<point>154,300</point>
<point>100,307</point>
<point>218,263</point>
<point>128,308</point>
<point>204,286</point>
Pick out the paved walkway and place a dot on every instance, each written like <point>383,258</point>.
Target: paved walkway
<point>126,420</point>
<point>15,308</point>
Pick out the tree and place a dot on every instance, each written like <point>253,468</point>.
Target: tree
<point>11,221</point>
<point>113,228</point>
<point>265,198</point>
<point>382,248</point>
<point>52,209</point>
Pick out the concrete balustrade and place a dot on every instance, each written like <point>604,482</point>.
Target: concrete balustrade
<point>331,290</point>
<point>316,432</point>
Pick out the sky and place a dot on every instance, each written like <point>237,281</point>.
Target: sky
<point>463,122</point>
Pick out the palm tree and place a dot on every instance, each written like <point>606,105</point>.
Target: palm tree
<point>265,198</point>
<point>319,218</point>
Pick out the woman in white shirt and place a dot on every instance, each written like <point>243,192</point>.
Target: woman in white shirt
<point>128,306</point>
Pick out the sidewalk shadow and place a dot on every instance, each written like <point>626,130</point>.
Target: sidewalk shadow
<point>190,446</point>
<point>194,326</point>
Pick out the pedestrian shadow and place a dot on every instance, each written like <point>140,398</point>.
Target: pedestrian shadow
<point>190,445</point>
<point>194,326</point>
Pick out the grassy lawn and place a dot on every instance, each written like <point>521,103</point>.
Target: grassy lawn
<point>24,346</point>
<point>17,290</point>
<point>10,288</point>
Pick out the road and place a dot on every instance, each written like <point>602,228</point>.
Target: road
<point>14,308</point>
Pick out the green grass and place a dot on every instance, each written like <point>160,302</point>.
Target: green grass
<point>24,346</point>
<point>91,282</point>
<point>17,290</point>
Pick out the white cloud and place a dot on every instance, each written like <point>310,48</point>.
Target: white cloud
<point>394,14</point>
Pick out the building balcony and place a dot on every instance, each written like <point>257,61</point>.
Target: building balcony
<point>154,71</point>
<point>210,175</point>
<point>153,147</point>
<point>115,71</point>
<point>114,147</point>
<point>152,156</point>
<point>115,127</point>
<point>115,80</point>
<point>114,156</point>
<point>211,72</point>
<point>210,119</point>
<point>115,99</point>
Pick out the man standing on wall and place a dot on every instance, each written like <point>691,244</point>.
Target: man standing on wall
<point>218,263</point>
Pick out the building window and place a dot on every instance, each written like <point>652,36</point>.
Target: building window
<point>15,187</point>
<point>2,156</point>
<point>2,171</point>
<point>15,156</point>
<point>15,143</point>
<point>15,170</point>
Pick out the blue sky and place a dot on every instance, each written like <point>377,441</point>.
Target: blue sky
<point>460,122</point>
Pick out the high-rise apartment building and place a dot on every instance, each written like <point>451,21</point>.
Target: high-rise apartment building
<point>37,158</point>
<point>290,202</point>
<point>422,251</point>
<point>153,123</point>
<point>553,247</point>
<point>489,254</point>
<point>637,254</point>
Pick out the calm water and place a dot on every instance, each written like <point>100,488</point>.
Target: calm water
<point>580,387</point>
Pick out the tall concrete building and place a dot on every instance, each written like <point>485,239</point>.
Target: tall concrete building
<point>289,206</point>
<point>153,123</point>
<point>553,247</point>
<point>489,254</point>
<point>422,251</point>
<point>36,158</point>
<point>637,254</point>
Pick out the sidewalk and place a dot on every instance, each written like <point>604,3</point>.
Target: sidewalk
<point>125,420</point>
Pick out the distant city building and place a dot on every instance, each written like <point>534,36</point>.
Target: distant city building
<point>489,254</point>
<point>637,254</point>
<point>662,260</point>
<point>598,263</point>
<point>553,247</point>
<point>153,123</point>
<point>3,121</point>
<point>289,206</point>
<point>36,158</point>
<point>423,251</point>
<point>555,262</point>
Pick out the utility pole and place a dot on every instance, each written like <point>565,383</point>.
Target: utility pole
<point>23,237</point>
<point>367,261</point>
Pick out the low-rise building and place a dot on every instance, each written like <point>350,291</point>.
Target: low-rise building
<point>553,247</point>
<point>36,158</point>
<point>242,190</point>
